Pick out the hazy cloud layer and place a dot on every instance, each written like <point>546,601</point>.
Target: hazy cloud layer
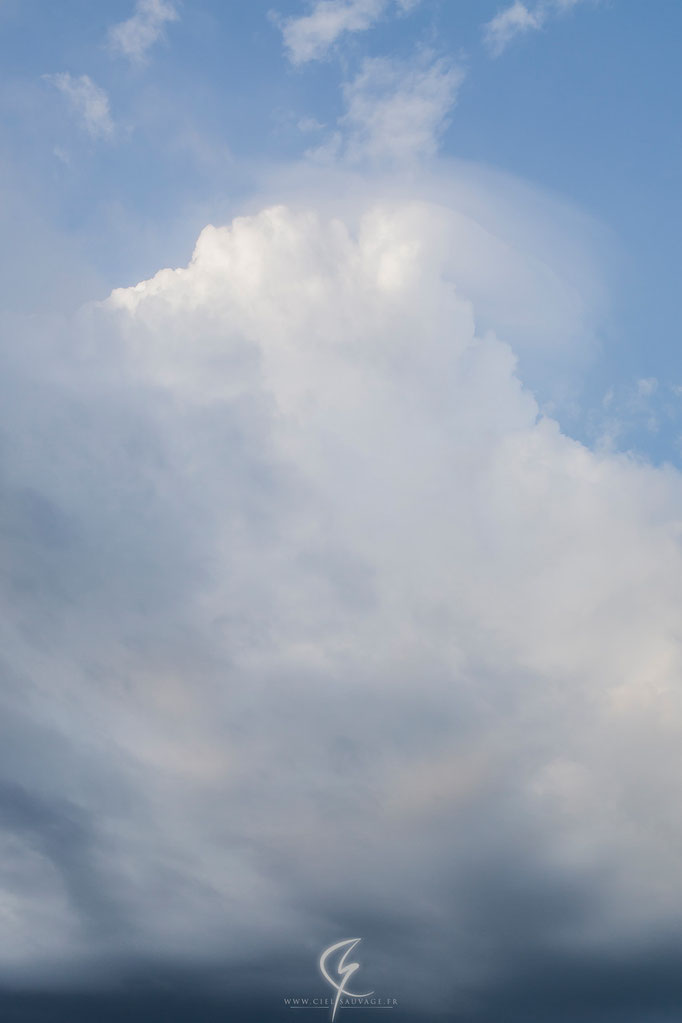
<point>313,624</point>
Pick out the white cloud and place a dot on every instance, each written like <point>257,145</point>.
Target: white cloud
<point>395,111</point>
<point>134,37</point>
<point>519,18</point>
<point>310,37</point>
<point>88,100</point>
<point>307,609</point>
<point>510,22</point>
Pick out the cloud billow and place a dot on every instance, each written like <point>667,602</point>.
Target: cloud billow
<point>313,619</point>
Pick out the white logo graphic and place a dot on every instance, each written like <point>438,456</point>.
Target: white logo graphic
<point>344,970</point>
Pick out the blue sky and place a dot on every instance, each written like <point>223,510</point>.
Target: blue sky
<point>340,544</point>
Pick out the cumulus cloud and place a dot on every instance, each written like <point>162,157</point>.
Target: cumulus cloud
<point>88,101</point>
<point>310,36</point>
<point>519,18</point>
<point>134,37</point>
<point>313,624</point>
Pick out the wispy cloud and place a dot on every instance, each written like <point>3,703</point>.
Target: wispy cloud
<point>395,110</point>
<point>519,18</point>
<point>399,110</point>
<point>134,37</point>
<point>88,101</point>
<point>632,410</point>
<point>310,37</point>
<point>509,23</point>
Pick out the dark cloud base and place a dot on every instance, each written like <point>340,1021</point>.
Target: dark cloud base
<point>643,989</point>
